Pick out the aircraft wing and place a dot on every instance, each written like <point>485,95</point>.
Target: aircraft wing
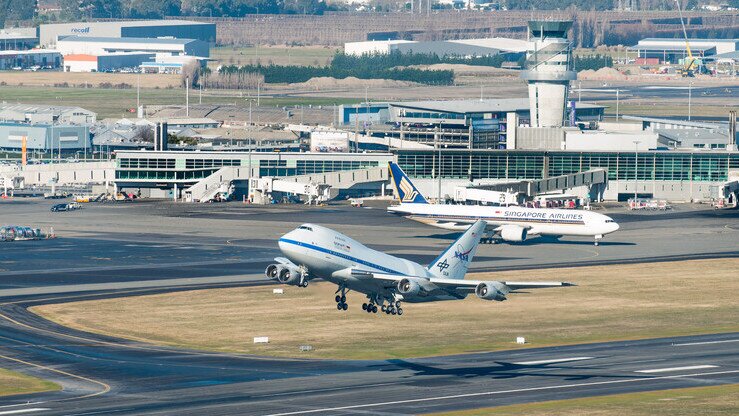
<point>470,285</point>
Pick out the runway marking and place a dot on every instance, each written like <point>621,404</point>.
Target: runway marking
<point>667,370</point>
<point>705,342</point>
<point>490,393</point>
<point>19,411</point>
<point>557,360</point>
<point>106,387</point>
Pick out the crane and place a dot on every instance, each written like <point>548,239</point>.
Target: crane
<point>689,64</point>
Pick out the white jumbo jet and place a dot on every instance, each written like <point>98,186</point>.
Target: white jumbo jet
<point>313,251</point>
<point>513,224</point>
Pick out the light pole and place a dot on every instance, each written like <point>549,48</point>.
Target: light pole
<point>636,169</point>
<point>690,99</point>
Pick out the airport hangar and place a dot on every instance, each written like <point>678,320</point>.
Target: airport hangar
<point>206,32</point>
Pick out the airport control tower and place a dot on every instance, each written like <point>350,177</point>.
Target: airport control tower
<point>548,71</point>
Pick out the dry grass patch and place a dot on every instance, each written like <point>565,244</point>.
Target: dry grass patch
<point>16,383</point>
<point>90,79</point>
<point>610,303</point>
<point>719,400</point>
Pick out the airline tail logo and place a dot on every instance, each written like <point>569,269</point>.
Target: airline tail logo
<point>409,194</point>
<point>461,254</point>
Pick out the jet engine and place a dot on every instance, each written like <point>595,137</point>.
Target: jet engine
<point>289,276</point>
<point>513,233</point>
<point>272,271</point>
<point>409,287</point>
<point>491,291</point>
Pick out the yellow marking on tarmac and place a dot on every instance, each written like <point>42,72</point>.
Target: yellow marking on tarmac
<point>105,386</point>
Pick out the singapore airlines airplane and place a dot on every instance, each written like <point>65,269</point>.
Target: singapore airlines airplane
<point>513,224</point>
<point>313,251</point>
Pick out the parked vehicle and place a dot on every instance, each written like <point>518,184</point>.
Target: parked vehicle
<point>60,207</point>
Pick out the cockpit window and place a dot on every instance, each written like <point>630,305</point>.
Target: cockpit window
<point>607,221</point>
<point>304,227</point>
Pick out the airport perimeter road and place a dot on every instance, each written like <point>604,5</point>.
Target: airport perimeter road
<point>102,375</point>
<point>164,244</point>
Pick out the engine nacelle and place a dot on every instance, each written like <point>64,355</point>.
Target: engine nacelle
<point>272,271</point>
<point>491,291</point>
<point>513,233</point>
<point>409,287</point>
<point>288,276</point>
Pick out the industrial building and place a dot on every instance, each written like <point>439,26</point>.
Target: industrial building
<point>462,47</point>
<point>107,62</point>
<point>665,50</point>
<point>669,44</point>
<point>43,58</point>
<point>205,32</point>
<point>48,114</point>
<point>44,138</point>
<point>85,45</point>
<point>18,39</point>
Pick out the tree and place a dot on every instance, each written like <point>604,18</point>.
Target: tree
<point>153,9</point>
<point>112,9</point>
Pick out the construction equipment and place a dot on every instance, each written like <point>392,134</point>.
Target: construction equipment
<point>689,63</point>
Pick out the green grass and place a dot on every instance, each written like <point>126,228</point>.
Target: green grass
<point>610,303</point>
<point>116,102</point>
<point>299,56</point>
<point>718,400</point>
<point>662,109</point>
<point>17,383</point>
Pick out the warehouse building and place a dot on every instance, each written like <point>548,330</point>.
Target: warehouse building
<point>44,138</point>
<point>18,39</point>
<point>462,47</point>
<point>83,45</point>
<point>205,32</point>
<point>43,58</point>
<point>108,62</point>
<point>720,45</point>
<point>48,114</point>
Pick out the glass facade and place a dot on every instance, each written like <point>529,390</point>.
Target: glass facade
<point>503,164</point>
<point>192,169</point>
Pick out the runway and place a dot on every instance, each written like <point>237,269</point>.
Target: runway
<point>166,244</point>
<point>104,375</point>
<point>168,247</point>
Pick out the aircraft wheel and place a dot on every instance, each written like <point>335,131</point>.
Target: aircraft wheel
<point>393,311</point>
<point>364,306</point>
<point>338,306</point>
<point>400,311</point>
<point>344,306</point>
<point>337,299</point>
<point>374,308</point>
<point>382,308</point>
<point>397,304</point>
<point>343,299</point>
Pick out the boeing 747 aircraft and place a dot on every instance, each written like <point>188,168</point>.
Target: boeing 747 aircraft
<point>513,224</point>
<point>313,251</point>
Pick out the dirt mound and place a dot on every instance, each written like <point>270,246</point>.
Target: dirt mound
<point>329,82</point>
<point>603,74</point>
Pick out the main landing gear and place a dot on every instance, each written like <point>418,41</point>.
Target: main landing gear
<point>597,239</point>
<point>393,308</point>
<point>341,299</point>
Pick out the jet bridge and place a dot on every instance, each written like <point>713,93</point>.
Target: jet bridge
<point>595,179</point>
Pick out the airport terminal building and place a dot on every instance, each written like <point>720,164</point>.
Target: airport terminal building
<point>673,175</point>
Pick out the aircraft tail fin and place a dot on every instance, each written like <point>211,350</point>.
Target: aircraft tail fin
<point>404,188</point>
<point>454,261</point>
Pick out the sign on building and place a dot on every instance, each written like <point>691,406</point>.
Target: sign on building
<point>329,141</point>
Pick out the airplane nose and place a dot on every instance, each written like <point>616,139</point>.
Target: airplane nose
<point>614,227</point>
